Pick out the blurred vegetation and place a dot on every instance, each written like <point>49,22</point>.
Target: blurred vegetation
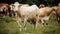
<point>8,25</point>
<point>37,2</point>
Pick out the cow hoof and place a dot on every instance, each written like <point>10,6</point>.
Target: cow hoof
<point>46,23</point>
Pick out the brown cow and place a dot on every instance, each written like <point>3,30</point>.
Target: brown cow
<point>58,13</point>
<point>45,13</point>
<point>4,7</point>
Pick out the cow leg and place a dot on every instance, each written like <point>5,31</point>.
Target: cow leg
<point>36,24</point>
<point>42,21</point>
<point>19,24</point>
<point>5,13</point>
<point>8,13</point>
<point>11,13</point>
<point>46,22</point>
<point>25,22</point>
<point>58,19</point>
<point>14,13</point>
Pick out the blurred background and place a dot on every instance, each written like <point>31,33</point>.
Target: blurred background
<point>37,2</point>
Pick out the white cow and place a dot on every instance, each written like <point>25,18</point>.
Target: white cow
<point>29,12</point>
<point>25,12</point>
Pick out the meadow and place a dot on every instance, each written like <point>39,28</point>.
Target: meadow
<point>8,25</point>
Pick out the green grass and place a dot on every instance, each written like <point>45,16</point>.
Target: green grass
<point>8,25</point>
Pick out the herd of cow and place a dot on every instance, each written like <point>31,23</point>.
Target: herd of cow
<point>25,12</point>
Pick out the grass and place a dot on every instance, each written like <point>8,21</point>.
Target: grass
<point>8,25</point>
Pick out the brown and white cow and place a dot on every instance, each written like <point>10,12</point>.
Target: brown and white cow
<point>57,11</point>
<point>45,13</point>
<point>4,8</point>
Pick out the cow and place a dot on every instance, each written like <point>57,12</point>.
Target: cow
<point>44,14</point>
<point>57,11</point>
<point>4,8</point>
<point>29,12</point>
<point>25,12</point>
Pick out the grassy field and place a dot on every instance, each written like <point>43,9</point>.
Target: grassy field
<point>8,25</point>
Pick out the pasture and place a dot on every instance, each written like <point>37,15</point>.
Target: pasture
<point>8,25</point>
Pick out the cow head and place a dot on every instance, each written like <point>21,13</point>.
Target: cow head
<point>15,6</point>
<point>41,5</point>
<point>5,8</point>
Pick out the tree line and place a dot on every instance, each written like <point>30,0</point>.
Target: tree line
<point>37,2</point>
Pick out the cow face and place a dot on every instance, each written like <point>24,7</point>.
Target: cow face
<point>5,8</point>
<point>15,6</point>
